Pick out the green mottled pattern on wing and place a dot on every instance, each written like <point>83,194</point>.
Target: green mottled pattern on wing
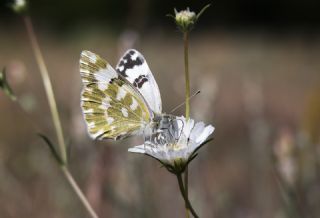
<point>112,108</point>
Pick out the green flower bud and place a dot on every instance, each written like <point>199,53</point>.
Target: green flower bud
<point>20,6</point>
<point>185,19</point>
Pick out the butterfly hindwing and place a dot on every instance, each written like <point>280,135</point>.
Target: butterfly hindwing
<point>135,69</point>
<point>112,107</point>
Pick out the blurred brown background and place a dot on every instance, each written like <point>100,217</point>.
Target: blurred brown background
<point>257,66</point>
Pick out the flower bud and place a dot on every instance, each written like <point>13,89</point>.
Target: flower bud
<point>185,19</point>
<point>19,6</point>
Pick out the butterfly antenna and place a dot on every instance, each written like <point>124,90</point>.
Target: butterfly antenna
<point>183,103</point>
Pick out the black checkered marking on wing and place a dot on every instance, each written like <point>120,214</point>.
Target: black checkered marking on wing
<point>138,82</point>
<point>128,62</point>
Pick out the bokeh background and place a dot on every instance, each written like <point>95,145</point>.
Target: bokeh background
<point>257,66</point>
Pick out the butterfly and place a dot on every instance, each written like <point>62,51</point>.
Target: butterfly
<point>121,102</point>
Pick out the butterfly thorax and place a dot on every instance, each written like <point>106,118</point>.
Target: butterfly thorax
<point>162,130</point>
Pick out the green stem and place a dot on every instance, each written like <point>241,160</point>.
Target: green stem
<point>186,72</point>
<point>78,191</point>
<point>185,197</point>
<point>47,86</point>
<point>55,115</point>
<point>187,92</point>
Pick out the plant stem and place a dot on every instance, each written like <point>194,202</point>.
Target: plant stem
<point>185,197</point>
<point>187,92</point>
<point>55,115</point>
<point>47,86</point>
<point>186,72</point>
<point>78,191</point>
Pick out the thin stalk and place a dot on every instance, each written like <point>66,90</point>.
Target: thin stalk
<point>47,86</point>
<point>187,92</point>
<point>78,191</point>
<point>186,72</point>
<point>185,197</point>
<point>293,208</point>
<point>55,114</point>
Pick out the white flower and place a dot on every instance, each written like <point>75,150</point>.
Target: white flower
<point>19,6</point>
<point>185,19</point>
<point>20,3</point>
<point>185,16</point>
<point>176,145</point>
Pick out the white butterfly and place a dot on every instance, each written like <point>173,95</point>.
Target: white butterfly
<point>122,102</point>
<point>135,69</point>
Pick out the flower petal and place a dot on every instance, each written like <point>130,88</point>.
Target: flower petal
<point>188,128</point>
<point>205,133</point>
<point>185,126</point>
<point>197,131</point>
<point>138,149</point>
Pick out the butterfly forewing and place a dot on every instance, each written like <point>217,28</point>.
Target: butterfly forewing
<point>112,107</point>
<point>135,69</point>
